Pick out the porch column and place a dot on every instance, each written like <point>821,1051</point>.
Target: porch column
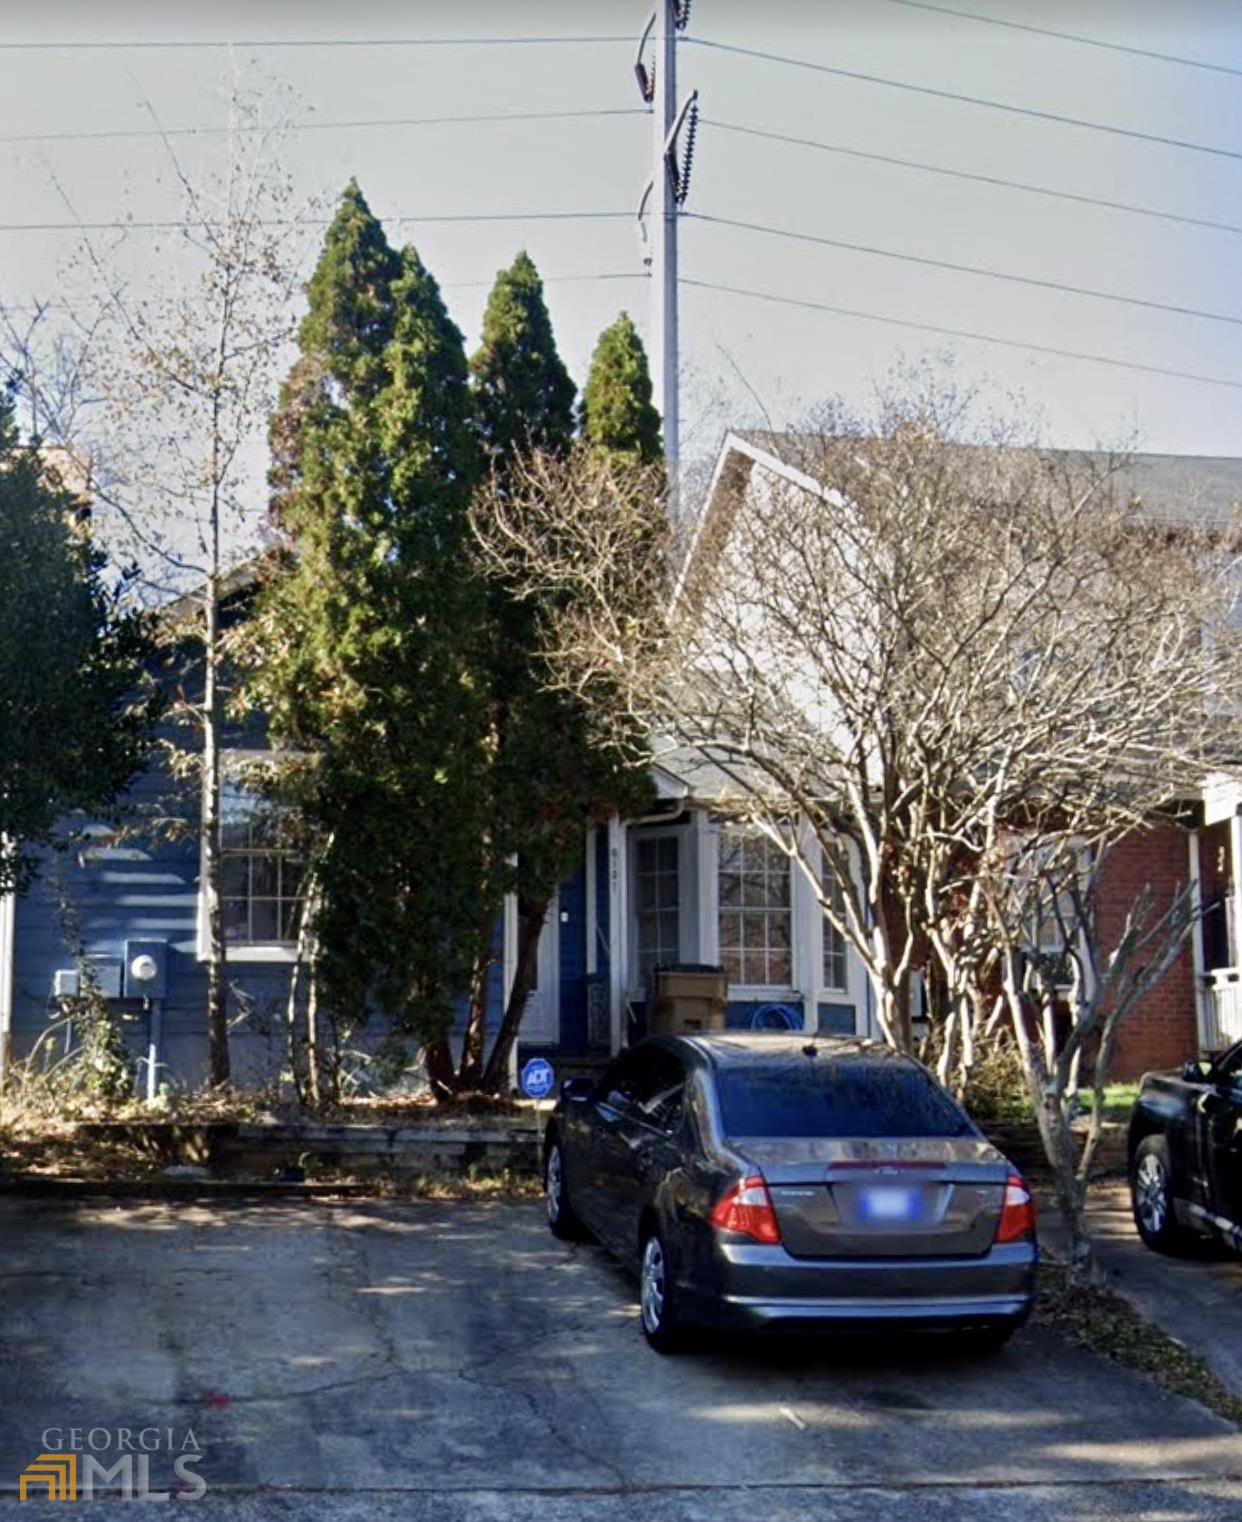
<point>618,918</point>
<point>1235,895</point>
<point>1195,880</point>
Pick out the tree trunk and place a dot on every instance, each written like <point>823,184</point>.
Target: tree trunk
<point>1047,1097</point>
<point>219,1066</point>
<point>470,1075</point>
<point>441,1073</point>
<point>523,981</point>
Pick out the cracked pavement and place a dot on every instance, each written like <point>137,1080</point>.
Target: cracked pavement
<point>415,1359</point>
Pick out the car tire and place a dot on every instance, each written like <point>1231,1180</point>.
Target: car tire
<point>1151,1198</point>
<point>562,1222</point>
<point>657,1303</point>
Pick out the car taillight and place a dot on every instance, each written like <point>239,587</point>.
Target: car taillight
<point>746,1207</point>
<point>1017,1219</point>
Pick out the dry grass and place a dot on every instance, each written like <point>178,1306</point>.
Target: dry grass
<point>1105,1323</point>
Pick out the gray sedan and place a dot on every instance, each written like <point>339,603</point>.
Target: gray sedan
<point>791,1182</point>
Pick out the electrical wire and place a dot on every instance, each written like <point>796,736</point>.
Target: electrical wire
<point>975,178</point>
<point>266,43</point>
<point>875,251</point>
<point>314,126</point>
<point>982,101</point>
<point>967,333</point>
<point>1076,37</point>
<point>12,308</point>
<point>184,226</point>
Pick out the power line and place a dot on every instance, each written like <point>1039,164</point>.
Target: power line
<point>1075,37</point>
<point>118,45</point>
<point>8,308</point>
<point>184,226</point>
<point>315,126</point>
<point>981,179</point>
<point>945,332</point>
<point>968,269</point>
<point>971,100</point>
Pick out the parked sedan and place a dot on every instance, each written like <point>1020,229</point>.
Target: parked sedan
<point>1186,1154</point>
<point>771,1181</point>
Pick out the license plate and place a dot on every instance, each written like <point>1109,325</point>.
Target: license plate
<point>891,1204</point>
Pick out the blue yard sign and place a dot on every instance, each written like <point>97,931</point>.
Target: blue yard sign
<point>537,1078</point>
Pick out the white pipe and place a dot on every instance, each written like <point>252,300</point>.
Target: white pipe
<point>8,940</point>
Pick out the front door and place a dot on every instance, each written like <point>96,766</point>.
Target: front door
<point>541,1022</point>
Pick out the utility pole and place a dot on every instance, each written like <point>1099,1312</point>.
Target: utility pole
<point>673,133</point>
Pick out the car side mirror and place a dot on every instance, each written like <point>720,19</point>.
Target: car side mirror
<point>575,1090</point>
<point>1197,1071</point>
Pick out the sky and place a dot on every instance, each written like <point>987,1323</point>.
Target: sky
<point>360,97</point>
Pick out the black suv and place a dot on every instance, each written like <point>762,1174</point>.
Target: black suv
<point>1186,1154</point>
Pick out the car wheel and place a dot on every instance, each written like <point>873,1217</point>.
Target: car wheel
<point>562,1222</point>
<point>656,1300</point>
<point>1151,1195</point>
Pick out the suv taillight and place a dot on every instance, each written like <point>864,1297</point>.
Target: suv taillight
<point>1017,1221</point>
<point>746,1207</point>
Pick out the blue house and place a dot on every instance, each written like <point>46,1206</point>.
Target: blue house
<point>680,885</point>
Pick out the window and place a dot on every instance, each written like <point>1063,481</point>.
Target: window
<point>657,894</point>
<point>836,962</point>
<point>816,1096</point>
<point>647,1085</point>
<point>755,919</point>
<point>261,869</point>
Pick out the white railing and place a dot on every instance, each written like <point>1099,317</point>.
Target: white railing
<point>1220,1009</point>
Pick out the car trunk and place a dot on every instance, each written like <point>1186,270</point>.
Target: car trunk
<point>880,1198</point>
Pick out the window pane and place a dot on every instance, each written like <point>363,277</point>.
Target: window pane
<point>236,925</point>
<point>264,876</point>
<point>779,970</point>
<point>235,876</point>
<point>264,920</point>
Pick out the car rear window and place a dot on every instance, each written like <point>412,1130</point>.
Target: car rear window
<point>838,1099</point>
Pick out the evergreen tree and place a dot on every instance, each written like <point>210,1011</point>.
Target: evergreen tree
<point>617,411</point>
<point>367,637</point>
<point>523,394</point>
<point>71,661</point>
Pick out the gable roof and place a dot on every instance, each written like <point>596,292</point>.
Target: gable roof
<point>1205,490</point>
<point>1173,491</point>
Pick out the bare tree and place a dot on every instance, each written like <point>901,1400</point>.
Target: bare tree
<point>162,375</point>
<point>895,651</point>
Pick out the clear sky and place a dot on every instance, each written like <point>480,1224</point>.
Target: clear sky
<point>737,350</point>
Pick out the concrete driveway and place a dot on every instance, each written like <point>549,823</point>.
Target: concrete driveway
<point>416,1360</point>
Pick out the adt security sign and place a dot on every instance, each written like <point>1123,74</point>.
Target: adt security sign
<point>537,1078</point>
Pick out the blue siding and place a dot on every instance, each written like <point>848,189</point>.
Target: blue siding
<point>836,1019</point>
<point>740,1014</point>
<point>145,887</point>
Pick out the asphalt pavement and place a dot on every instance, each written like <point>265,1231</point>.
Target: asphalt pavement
<point>387,1359</point>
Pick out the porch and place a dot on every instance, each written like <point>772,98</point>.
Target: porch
<point>1216,940</point>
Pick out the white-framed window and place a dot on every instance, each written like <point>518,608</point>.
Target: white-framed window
<point>261,868</point>
<point>755,914</point>
<point>657,902</point>
<point>836,965</point>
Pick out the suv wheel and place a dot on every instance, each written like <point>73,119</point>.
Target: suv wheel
<point>1151,1194</point>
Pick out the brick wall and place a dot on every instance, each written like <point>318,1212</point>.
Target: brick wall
<point>1161,1031</point>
